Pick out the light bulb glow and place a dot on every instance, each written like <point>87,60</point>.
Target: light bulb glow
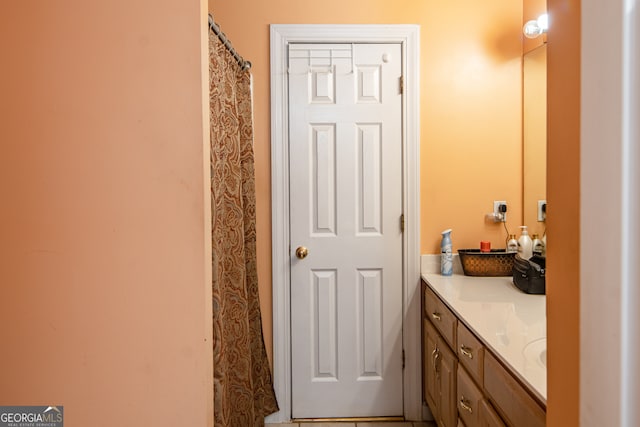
<point>543,22</point>
<point>536,27</point>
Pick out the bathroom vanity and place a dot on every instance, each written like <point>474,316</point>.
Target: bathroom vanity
<point>484,352</point>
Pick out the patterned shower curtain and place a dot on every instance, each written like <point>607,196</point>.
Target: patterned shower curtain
<point>243,389</point>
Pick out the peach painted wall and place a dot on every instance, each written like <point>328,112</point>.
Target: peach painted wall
<point>104,265</point>
<point>563,221</point>
<point>471,119</point>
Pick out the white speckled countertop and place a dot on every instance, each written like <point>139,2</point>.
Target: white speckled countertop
<point>511,323</point>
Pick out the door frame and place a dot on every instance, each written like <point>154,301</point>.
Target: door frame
<point>609,383</point>
<point>409,37</point>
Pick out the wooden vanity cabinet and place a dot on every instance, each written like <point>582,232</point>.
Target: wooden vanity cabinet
<point>463,383</point>
<point>440,370</point>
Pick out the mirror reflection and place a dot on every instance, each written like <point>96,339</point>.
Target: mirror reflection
<point>534,137</point>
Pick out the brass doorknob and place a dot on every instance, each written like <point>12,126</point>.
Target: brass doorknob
<point>302,252</point>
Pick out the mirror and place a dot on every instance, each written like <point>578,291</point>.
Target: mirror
<point>534,135</point>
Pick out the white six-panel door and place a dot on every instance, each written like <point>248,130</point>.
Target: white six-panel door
<point>345,133</point>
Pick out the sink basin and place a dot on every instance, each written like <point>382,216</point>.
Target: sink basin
<point>543,357</point>
<point>536,352</point>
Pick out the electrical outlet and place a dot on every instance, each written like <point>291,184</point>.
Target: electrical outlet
<point>501,215</point>
<point>542,210</point>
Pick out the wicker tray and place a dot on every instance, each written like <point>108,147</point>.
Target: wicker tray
<point>494,263</point>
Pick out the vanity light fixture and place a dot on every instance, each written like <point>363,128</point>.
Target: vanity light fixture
<point>536,27</point>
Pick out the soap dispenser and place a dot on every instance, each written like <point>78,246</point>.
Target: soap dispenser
<point>537,245</point>
<point>446,255</point>
<point>525,245</point>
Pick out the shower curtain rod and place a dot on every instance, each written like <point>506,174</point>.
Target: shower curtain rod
<point>225,41</point>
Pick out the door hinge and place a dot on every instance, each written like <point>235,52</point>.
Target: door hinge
<point>402,223</point>
<point>401,85</point>
<point>403,359</point>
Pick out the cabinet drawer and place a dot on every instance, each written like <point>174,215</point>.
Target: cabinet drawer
<point>469,398</point>
<point>442,318</point>
<point>517,407</point>
<point>470,352</point>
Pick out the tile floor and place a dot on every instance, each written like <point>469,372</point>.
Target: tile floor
<point>367,424</point>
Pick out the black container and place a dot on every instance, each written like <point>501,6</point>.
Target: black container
<point>529,274</point>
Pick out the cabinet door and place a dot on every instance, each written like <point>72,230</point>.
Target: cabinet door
<point>488,416</point>
<point>430,360</point>
<point>448,393</point>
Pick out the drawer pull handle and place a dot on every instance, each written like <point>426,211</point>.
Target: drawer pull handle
<point>464,404</point>
<point>436,316</point>
<point>466,351</point>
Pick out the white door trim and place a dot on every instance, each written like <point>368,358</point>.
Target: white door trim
<point>610,155</point>
<point>409,37</point>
